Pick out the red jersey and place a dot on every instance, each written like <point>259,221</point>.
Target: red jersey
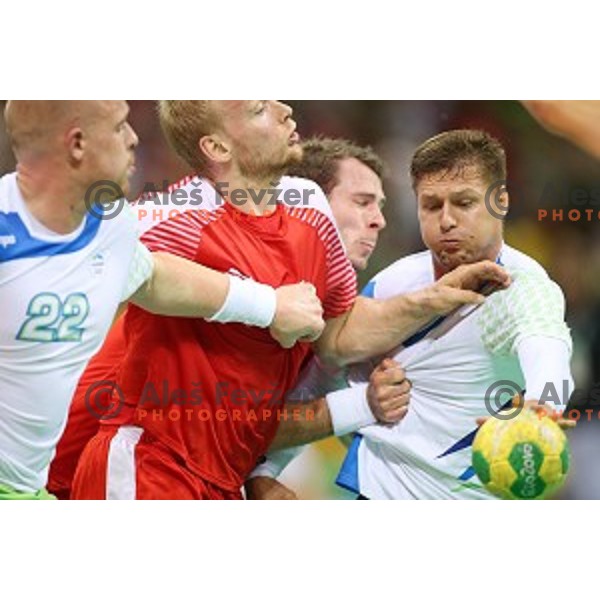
<point>211,393</point>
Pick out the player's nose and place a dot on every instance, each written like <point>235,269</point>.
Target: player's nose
<point>286,110</point>
<point>377,220</point>
<point>447,219</point>
<point>133,138</point>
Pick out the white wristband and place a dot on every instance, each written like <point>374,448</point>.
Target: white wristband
<point>350,409</point>
<point>276,462</point>
<point>247,302</point>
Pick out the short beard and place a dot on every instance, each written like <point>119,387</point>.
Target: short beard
<point>272,172</point>
<point>454,260</point>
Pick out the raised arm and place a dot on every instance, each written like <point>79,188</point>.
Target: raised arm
<point>374,327</point>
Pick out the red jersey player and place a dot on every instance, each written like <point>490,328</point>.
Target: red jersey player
<point>201,401</point>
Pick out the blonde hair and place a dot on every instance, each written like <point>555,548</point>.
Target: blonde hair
<point>184,123</point>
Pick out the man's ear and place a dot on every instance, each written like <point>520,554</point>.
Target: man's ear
<point>504,201</point>
<point>75,144</point>
<point>215,148</point>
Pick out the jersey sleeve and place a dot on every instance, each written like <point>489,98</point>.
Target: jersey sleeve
<point>545,365</point>
<point>341,283</point>
<point>140,270</point>
<point>533,306</point>
<point>179,235</point>
<point>341,277</point>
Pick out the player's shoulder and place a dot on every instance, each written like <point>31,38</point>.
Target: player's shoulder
<point>192,195</point>
<point>518,262</point>
<point>527,274</point>
<point>406,274</point>
<point>532,295</point>
<point>297,192</point>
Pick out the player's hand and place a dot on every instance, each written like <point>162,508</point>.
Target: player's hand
<point>299,315</point>
<point>542,411</point>
<point>388,392</point>
<point>467,284</point>
<point>267,488</point>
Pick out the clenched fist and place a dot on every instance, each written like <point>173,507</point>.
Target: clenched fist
<point>299,315</point>
<point>389,392</point>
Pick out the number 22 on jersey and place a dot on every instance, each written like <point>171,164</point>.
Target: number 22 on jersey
<point>52,320</point>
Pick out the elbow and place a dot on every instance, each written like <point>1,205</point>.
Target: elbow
<point>354,341</point>
<point>345,350</point>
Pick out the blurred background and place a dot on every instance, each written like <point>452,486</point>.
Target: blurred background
<point>544,173</point>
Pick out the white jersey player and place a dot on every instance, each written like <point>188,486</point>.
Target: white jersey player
<point>517,341</point>
<point>59,295</point>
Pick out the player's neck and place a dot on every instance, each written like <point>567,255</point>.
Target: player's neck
<point>250,195</point>
<point>51,200</point>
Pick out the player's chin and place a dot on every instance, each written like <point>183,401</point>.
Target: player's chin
<point>125,186</point>
<point>359,259</point>
<point>452,260</point>
<point>295,153</point>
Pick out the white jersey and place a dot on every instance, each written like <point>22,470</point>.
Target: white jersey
<point>58,296</point>
<point>451,367</point>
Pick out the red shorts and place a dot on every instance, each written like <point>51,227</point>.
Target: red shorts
<point>124,463</point>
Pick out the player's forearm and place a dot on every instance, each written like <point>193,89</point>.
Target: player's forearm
<point>276,462</point>
<point>181,288</point>
<point>339,413</point>
<point>374,327</point>
<point>306,422</point>
<point>576,120</point>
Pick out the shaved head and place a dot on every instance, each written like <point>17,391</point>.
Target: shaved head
<point>37,126</point>
<point>71,143</point>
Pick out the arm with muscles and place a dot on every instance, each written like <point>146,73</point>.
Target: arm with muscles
<point>374,327</point>
<point>384,399</point>
<point>576,120</point>
<point>166,284</point>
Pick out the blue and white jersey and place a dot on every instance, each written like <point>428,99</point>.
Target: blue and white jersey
<point>451,366</point>
<point>58,297</point>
